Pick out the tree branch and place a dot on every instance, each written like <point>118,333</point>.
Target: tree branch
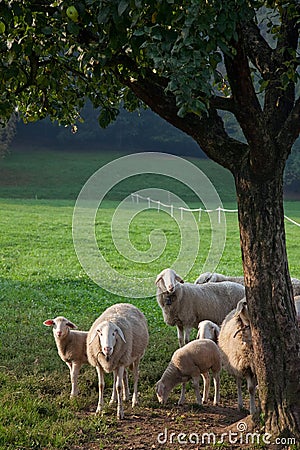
<point>291,129</point>
<point>247,108</point>
<point>280,97</point>
<point>259,51</point>
<point>208,130</point>
<point>223,103</point>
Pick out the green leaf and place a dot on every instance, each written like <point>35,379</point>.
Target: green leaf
<point>122,7</point>
<point>103,15</point>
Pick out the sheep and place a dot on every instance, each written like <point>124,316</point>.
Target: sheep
<point>186,304</point>
<point>117,340</point>
<point>296,287</point>
<point>208,277</point>
<point>211,277</point>
<point>189,362</point>
<point>208,330</point>
<point>235,343</point>
<point>71,346</point>
<point>297,306</point>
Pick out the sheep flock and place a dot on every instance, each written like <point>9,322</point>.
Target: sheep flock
<point>214,305</point>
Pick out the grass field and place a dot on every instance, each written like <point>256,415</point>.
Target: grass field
<point>40,277</point>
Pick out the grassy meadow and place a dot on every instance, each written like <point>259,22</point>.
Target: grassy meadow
<point>41,277</point>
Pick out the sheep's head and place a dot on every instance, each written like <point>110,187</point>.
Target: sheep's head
<point>204,278</point>
<point>208,330</point>
<point>108,334</point>
<point>242,315</point>
<point>167,280</point>
<point>242,312</point>
<point>210,277</point>
<point>61,326</point>
<point>161,392</point>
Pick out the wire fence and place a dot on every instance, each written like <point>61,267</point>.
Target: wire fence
<point>137,197</point>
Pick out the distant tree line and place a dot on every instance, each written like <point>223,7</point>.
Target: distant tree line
<point>134,132</point>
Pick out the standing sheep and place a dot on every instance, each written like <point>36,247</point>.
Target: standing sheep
<point>71,346</point>
<point>117,340</point>
<point>189,362</point>
<point>235,343</point>
<point>187,304</point>
<point>208,330</point>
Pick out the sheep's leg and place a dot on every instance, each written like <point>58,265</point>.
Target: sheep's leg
<point>181,400</point>
<point>113,398</point>
<point>74,371</point>
<point>125,386</point>
<point>196,388</point>
<point>251,385</point>
<point>187,332</point>
<point>206,386</point>
<point>119,381</point>
<point>126,392</point>
<point>135,370</point>
<point>101,388</point>
<point>180,336</point>
<point>216,377</point>
<point>239,392</point>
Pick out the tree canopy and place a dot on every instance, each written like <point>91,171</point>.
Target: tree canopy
<point>66,51</point>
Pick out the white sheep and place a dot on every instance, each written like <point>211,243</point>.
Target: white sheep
<point>71,346</point>
<point>213,277</point>
<point>117,340</point>
<point>189,362</point>
<point>235,343</point>
<point>187,304</point>
<point>208,330</point>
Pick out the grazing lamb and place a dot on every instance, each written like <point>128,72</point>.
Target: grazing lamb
<point>71,346</point>
<point>189,362</point>
<point>187,304</point>
<point>117,340</point>
<point>208,330</point>
<point>235,343</point>
<point>212,277</point>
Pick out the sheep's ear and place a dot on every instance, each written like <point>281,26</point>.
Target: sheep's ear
<point>178,278</point>
<point>241,312</point>
<point>121,334</point>
<point>49,322</point>
<point>158,278</point>
<point>216,334</point>
<point>71,325</point>
<point>210,277</point>
<point>93,337</point>
<point>240,307</point>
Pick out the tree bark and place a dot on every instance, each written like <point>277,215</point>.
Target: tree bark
<point>269,295</point>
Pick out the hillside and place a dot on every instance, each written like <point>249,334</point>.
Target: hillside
<point>46,174</point>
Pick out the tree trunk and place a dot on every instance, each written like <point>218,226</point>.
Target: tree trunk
<point>269,295</point>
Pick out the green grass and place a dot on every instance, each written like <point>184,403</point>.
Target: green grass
<point>46,174</point>
<point>41,277</point>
